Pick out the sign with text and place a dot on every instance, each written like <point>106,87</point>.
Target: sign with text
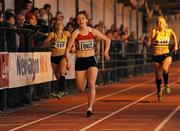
<point>29,68</point>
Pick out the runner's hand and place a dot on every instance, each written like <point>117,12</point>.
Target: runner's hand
<point>68,66</point>
<point>107,57</point>
<point>175,49</point>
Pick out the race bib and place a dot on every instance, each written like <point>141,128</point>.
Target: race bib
<point>86,44</point>
<point>61,45</point>
<point>163,41</point>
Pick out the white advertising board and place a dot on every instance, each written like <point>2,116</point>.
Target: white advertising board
<point>29,68</point>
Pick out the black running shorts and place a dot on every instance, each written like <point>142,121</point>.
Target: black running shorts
<point>85,63</point>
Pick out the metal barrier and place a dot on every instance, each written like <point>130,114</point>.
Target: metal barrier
<point>21,40</point>
<point>126,61</point>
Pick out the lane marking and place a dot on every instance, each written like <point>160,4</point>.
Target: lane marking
<point>167,118</point>
<point>55,114</point>
<point>121,109</point>
<point>120,129</point>
<point>69,124</point>
<point>129,124</point>
<point>47,130</point>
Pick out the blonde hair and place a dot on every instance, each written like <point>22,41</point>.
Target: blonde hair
<point>162,19</point>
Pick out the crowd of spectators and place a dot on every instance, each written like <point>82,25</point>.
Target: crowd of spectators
<point>40,21</point>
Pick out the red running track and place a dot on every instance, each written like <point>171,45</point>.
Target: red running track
<point>130,105</point>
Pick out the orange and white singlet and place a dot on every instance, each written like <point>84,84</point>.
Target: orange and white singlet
<point>85,42</point>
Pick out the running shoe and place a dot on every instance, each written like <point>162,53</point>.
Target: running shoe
<point>167,90</point>
<point>59,94</point>
<point>89,113</point>
<point>53,94</point>
<point>159,96</point>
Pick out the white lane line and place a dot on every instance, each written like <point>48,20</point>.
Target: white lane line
<point>121,109</point>
<point>167,118</point>
<point>46,129</point>
<point>97,112</point>
<point>129,124</point>
<point>69,124</point>
<point>120,129</point>
<point>55,114</point>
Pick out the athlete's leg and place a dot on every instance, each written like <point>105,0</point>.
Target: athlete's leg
<point>165,67</point>
<point>81,80</point>
<point>56,73</point>
<point>55,70</point>
<point>158,70</point>
<point>91,77</point>
<point>62,72</point>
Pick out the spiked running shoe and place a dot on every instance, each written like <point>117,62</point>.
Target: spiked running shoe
<point>167,90</point>
<point>159,96</point>
<point>89,113</point>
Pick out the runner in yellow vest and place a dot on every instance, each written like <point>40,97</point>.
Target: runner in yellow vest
<point>162,59</point>
<point>58,41</point>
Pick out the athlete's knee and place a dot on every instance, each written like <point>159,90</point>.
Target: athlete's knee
<point>91,84</point>
<point>81,88</point>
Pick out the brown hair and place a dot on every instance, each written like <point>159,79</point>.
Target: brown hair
<point>83,12</point>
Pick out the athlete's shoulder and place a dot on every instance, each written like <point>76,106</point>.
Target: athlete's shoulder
<point>154,29</point>
<point>169,31</point>
<point>93,31</point>
<point>52,33</point>
<point>67,33</point>
<point>75,33</point>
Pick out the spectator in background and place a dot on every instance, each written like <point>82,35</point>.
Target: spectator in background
<point>1,32</point>
<point>132,36</point>
<point>11,34</point>
<point>125,35</point>
<point>109,34</point>
<point>29,6</point>
<point>73,23</point>
<point>43,27</point>
<point>10,11</point>
<point>116,35</point>
<point>20,20</point>
<point>102,26</point>
<point>31,24</point>
<point>140,45</point>
<point>48,15</point>
<point>69,28</point>
<point>90,22</point>
<point>59,16</point>
<point>35,11</point>
<point>1,19</point>
<point>121,30</point>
